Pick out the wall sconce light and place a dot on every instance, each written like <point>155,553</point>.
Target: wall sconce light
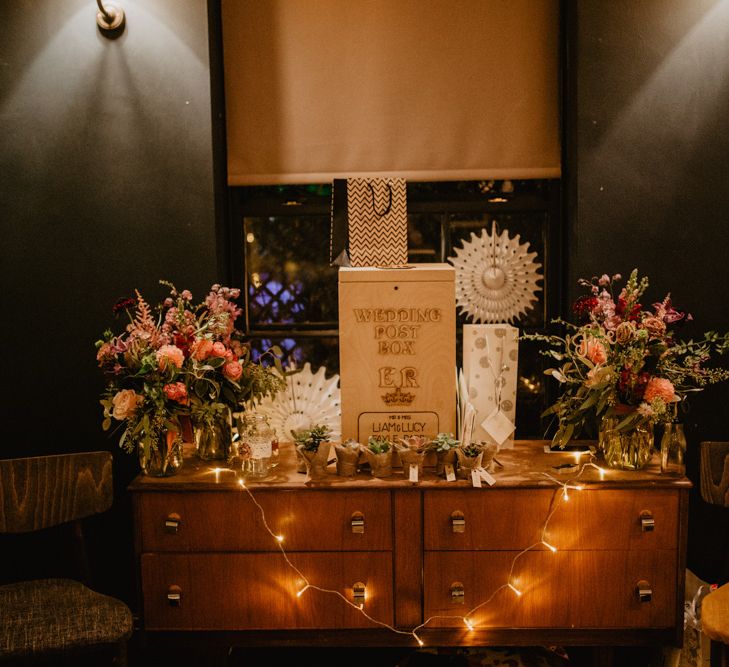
<point>110,19</point>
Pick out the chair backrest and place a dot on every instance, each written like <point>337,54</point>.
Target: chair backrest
<point>45,491</point>
<point>715,473</point>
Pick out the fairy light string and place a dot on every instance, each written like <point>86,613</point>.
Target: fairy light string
<point>560,494</point>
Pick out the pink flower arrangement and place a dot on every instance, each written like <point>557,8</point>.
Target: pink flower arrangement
<point>178,360</point>
<point>623,360</point>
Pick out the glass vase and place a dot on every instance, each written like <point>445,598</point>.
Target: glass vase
<point>213,437</point>
<point>673,450</point>
<point>625,450</point>
<point>256,438</point>
<point>163,456</point>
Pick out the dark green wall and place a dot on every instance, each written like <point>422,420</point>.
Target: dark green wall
<point>106,184</point>
<point>648,165</point>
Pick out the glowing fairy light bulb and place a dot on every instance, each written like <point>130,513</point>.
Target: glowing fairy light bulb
<point>549,546</point>
<point>517,592</point>
<point>302,591</point>
<point>242,484</point>
<point>565,495</point>
<point>279,538</point>
<point>469,625</point>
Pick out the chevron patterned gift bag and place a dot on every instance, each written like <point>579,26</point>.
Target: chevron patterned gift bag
<point>377,221</point>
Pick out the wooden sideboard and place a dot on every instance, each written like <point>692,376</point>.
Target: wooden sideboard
<point>206,563</point>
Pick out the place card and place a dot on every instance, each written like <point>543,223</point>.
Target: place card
<point>475,478</point>
<point>413,473</point>
<point>486,476</point>
<point>450,473</point>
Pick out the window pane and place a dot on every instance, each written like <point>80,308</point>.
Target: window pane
<point>288,273</point>
<point>318,351</point>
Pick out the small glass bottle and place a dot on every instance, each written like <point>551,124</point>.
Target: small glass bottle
<point>256,436</point>
<point>673,450</point>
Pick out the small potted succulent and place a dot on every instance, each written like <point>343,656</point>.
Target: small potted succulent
<point>412,450</point>
<point>476,455</point>
<point>444,445</point>
<point>348,453</point>
<point>379,455</point>
<point>313,445</point>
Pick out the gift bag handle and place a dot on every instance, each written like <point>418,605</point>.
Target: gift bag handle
<point>389,203</point>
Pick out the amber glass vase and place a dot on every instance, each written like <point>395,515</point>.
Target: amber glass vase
<point>625,450</point>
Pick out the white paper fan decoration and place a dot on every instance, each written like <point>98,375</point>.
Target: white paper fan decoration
<point>496,277</point>
<point>309,399</point>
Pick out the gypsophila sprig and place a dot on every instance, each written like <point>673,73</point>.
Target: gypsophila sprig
<point>623,360</point>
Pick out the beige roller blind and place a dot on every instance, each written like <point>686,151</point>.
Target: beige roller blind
<point>421,89</point>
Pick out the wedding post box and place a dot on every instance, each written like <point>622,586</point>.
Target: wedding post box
<point>397,351</point>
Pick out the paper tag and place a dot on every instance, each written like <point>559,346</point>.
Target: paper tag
<point>498,426</point>
<point>475,478</point>
<point>486,476</point>
<point>450,473</point>
<point>413,472</point>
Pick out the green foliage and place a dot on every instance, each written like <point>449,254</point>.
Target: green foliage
<point>379,444</point>
<point>311,438</point>
<point>443,442</point>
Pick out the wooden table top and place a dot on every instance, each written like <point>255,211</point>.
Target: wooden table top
<point>527,465</point>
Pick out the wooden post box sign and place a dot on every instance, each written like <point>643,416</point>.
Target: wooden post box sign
<point>397,349</point>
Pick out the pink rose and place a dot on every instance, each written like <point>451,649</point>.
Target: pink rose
<point>233,370</point>
<point>125,404</point>
<point>170,354</point>
<point>660,388</point>
<point>176,391</point>
<point>219,349</point>
<point>596,352</point>
<point>201,349</point>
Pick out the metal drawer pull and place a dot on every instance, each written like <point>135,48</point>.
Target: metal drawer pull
<point>458,595</point>
<point>644,591</point>
<point>174,596</point>
<point>357,522</point>
<point>359,593</point>
<point>458,521</point>
<point>647,522</point>
<point>172,523</point>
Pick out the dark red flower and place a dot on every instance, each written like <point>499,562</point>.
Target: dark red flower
<point>584,305</point>
<point>622,305</point>
<point>183,342</point>
<point>123,304</point>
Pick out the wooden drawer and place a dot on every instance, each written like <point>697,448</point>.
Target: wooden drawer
<point>309,520</point>
<point>513,519</point>
<point>258,591</point>
<point>566,589</point>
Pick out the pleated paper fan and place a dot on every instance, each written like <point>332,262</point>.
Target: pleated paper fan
<point>496,277</point>
<point>309,399</point>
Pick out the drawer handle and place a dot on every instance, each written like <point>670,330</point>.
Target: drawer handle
<point>359,593</point>
<point>458,595</point>
<point>644,591</point>
<point>174,596</point>
<point>357,522</point>
<point>172,523</point>
<point>458,522</point>
<point>647,522</point>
